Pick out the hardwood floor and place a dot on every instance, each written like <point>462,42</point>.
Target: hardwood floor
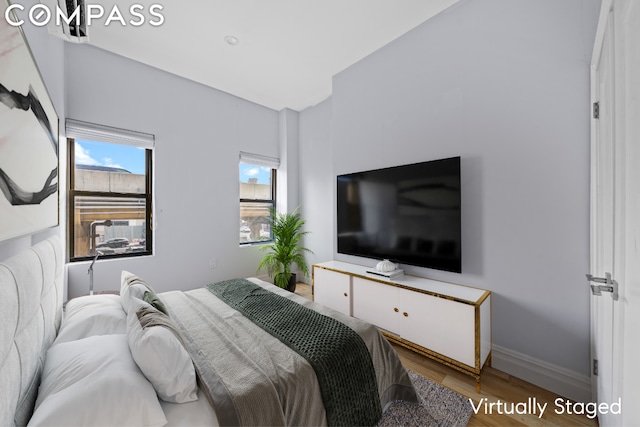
<point>496,386</point>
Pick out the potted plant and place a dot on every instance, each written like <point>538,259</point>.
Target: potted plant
<point>286,249</point>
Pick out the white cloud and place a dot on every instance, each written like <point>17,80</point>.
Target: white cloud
<point>252,171</point>
<point>83,157</point>
<point>109,162</point>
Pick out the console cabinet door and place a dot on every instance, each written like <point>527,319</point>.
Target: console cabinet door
<point>439,324</point>
<point>332,290</point>
<point>376,303</point>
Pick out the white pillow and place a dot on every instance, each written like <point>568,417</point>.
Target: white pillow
<point>79,304</point>
<point>95,382</point>
<point>132,287</point>
<point>92,315</point>
<point>161,356</point>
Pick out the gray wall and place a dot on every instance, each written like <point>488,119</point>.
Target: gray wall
<point>504,85</point>
<point>317,180</point>
<point>199,133</point>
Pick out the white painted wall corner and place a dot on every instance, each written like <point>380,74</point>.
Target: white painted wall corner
<point>564,382</point>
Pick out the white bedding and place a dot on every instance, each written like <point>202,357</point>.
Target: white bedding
<point>94,381</point>
<point>91,378</point>
<point>198,413</point>
<point>270,383</point>
<point>80,370</point>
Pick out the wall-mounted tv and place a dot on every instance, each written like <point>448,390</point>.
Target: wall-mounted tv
<point>409,214</point>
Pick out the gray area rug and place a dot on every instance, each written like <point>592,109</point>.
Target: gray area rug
<point>437,406</point>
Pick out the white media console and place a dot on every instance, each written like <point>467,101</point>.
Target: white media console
<point>446,322</point>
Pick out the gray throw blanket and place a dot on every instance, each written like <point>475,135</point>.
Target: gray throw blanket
<point>252,378</point>
<point>338,355</point>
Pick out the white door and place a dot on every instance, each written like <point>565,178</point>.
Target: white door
<point>627,252</point>
<point>377,304</point>
<point>444,326</point>
<point>603,306</point>
<point>615,210</point>
<point>332,289</point>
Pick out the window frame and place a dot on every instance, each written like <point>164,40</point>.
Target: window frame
<point>272,202</point>
<point>72,194</point>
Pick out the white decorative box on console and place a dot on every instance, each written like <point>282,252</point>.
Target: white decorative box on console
<point>446,322</point>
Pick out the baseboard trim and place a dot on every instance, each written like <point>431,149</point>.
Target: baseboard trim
<point>564,382</point>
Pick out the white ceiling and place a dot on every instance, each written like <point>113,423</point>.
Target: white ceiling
<point>289,49</point>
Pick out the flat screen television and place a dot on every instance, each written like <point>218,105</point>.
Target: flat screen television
<point>408,214</point>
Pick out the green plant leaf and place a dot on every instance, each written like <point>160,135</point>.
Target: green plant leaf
<point>286,248</point>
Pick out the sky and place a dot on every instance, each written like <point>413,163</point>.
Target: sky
<point>250,171</point>
<point>115,155</point>
<point>132,159</point>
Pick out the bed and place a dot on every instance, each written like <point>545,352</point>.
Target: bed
<point>239,352</point>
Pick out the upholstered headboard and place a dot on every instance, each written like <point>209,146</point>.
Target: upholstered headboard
<point>30,315</point>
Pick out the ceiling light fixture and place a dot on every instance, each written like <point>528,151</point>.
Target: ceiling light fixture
<point>232,40</point>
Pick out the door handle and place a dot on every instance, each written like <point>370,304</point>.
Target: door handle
<point>610,285</point>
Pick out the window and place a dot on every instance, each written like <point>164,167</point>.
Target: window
<point>257,197</point>
<point>110,199</point>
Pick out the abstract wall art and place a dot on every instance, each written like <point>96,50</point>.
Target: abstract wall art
<point>29,198</point>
